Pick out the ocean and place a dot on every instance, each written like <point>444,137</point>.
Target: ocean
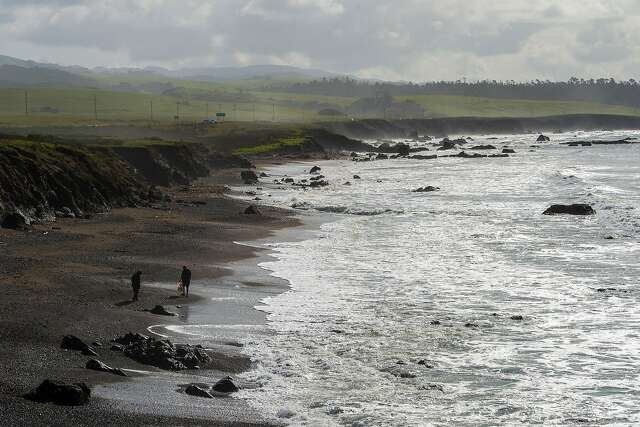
<point>404,307</point>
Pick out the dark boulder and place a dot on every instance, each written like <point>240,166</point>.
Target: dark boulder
<point>508,151</point>
<point>60,393</point>
<point>249,177</point>
<point>160,310</point>
<point>382,156</point>
<point>356,177</point>
<point>225,385</point>
<point>198,390</point>
<point>71,342</point>
<point>96,365</point>
<point>426,189</point>
<point>403,149</point>
<point>252,210</point>
<point>288,180</point>
<point>517,317</point>
<point>318,183</point>
<point>575,209</point>
<point>465,155</point>
<point>543,138</point>
<point>483,147</point>
<point>15,221</point>
<point>263,175</point>
<point>423,157</point>
<point>315,169</point>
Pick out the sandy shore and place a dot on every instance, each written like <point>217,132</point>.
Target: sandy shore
<point>72,277</point>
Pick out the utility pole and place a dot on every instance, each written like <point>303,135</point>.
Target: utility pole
<point>177,111</point>
<point>26,103</point>
<point>254,112</point>
<point>95,107</point>
<point>273,115</point>
<point>207,111</point>
<point>151,109</point>
<point>234,113</point>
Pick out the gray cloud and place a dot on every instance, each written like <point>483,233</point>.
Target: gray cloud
<point>408,39</point>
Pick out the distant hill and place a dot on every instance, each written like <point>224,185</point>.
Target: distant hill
<point>18,75</point>
<point>218,74</point>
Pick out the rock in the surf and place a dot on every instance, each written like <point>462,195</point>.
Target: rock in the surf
<point>575,209</point>
<point>427,189</point>
<point>543,138</point>
<point>225,385</point>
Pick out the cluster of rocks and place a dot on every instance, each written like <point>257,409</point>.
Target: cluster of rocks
<point>161,353</point>
<point>448,144</point>
<point>313,182</point>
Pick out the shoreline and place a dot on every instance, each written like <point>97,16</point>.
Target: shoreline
<point>106,255</point>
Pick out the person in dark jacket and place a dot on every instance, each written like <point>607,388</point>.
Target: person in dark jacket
<point>135,284</point>
<point>185,277</point>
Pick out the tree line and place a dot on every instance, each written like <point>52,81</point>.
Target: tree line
<point>604,90</point>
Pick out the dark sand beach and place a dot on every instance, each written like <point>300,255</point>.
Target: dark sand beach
<point>72,277</point>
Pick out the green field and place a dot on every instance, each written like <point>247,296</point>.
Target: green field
<point>243,101</point>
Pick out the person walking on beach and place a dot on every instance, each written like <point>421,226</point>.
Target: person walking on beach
<point>185,278</point>
<point>135,284</point>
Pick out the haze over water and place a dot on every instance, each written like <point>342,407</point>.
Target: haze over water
<point>367,288</point>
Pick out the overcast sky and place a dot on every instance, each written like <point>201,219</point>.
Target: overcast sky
<point>414,40</point>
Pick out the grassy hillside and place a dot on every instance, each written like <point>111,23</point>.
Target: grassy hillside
<point>466,106</point>
<point>241,101</point>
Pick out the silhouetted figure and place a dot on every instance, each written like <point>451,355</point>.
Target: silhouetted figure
<point>135,284</point>
<point>185,277</point>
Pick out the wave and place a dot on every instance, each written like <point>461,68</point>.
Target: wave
<point>344,209</point>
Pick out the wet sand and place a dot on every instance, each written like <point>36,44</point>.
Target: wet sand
<point>72,277</point>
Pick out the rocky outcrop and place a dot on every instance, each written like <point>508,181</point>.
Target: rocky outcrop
<point>163,353</point>
<point>575,209</point>
<point>60,393</point>
<point>543,138</point>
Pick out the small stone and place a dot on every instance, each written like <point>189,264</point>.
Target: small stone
<point>196,390</point>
